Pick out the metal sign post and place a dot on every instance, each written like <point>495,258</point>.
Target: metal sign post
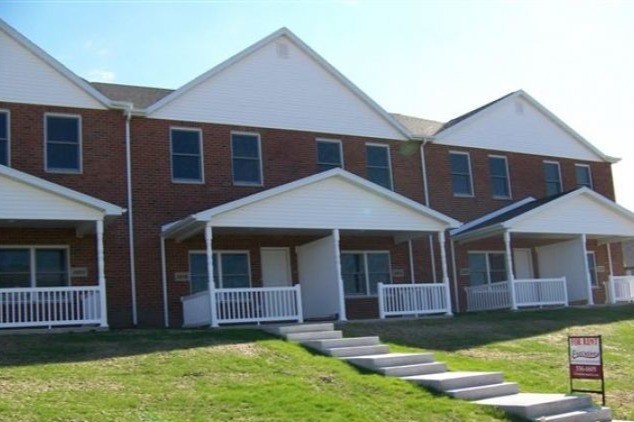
<point>585,357</point>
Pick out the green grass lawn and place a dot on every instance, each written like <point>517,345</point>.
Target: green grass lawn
<point>239,374</point>
<point>530,347</point>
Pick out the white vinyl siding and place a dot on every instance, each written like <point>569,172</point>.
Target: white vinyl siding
<point>378,165</point>
<point>329,154</point>
<point>361,271</point>
<point>460,168</point>
<point>34,266</point>
<point>186,155</point>
<point>552,177</point>
<point>5,138</point>
<point>583,174</point>
<point>62,143</point>
<point>486,267</point>
<point>500,179</point>
<point>246,158</point>
<point>232,269</point>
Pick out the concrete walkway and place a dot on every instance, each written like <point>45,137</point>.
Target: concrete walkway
<point>484,388</point>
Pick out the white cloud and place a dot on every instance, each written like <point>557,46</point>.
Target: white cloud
<point>101,75</point>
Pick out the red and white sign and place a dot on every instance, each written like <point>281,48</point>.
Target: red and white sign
<point>585,357</point>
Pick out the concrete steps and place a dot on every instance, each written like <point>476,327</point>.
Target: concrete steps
<point>484,388</point>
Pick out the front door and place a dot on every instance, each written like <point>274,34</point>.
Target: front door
<point>523,263</point>
<point>276,267</point>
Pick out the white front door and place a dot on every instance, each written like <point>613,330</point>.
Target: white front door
<point>523,261</point>
<point>276,267</point>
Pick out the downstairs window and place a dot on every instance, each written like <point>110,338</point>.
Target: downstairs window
<point>33,267</point>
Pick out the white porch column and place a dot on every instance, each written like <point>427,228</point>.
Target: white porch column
<point>587,270</point>
<point>166,319</point>
<point>342,297</point>
<point>445,274</point>
<point>609,249</point>
<point>101,275</point>
<point>509,269</point>
<point>412,276</point>
<point>210,271</point>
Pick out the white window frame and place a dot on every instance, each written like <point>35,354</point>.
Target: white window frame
<point>8,113</point>
<point>488,265</point>
<point>80,145</point>
<point>233,178</point>
<point>461,195</point>
<point>561,181</point>
<point>32,261</point>
<point>596,284</point>
<point>201,181</point>
<point>508,177</point>
<point>389,161</point>
<point>589,174</point>
<point>218,254</point>
<point>365,269</point>
<point>330,141</point>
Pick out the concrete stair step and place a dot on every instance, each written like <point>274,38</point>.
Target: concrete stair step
<point>592,414</point>
<point>391,359</point>
<point>416,369</point>
<point>445,381</point>
<point>484,391</point>
<point>281,330</point>
<point>341,342</point>
<point>344,352</point>
<point>313,335</point>
<point>533,406</point>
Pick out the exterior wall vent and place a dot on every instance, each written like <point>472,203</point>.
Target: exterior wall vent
<point>282,50</point>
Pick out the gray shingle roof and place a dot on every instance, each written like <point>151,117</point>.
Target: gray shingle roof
<point>140,96</point>
<point>417,125</point>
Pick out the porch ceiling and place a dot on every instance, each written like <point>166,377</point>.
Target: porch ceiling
<point>330,200</point>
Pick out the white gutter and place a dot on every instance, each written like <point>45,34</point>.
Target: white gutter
<point>423,166</point>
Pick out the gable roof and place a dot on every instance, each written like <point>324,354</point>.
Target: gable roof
<point>106,208</point>
<point>283,32</point>
<point>464,120</point>
<point>418,126</point>
<point>141,96</point>
<point>56,65</point>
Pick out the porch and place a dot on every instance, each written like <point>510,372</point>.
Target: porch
<point>49,235</point>
<point>549,252</point>
<point>312,261</point>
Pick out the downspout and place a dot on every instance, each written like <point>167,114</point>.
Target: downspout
<point>128,165</point>
<point>423,164</point>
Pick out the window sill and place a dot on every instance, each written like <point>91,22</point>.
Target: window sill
<point>188,182</point>
<point>502,198</point>
<point>63,171</point>
<point>248,185</point>
<point>463,195</point>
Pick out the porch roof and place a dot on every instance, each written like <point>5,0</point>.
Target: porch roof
<point>28,201</point>
<point>580,211</point>
<point>334,199</point>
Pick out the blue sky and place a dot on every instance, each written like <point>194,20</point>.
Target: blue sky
<point>426,58</point>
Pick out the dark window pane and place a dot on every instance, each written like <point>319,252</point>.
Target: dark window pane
<point>50,260</point>
<point>198,283</point>
<point>235,263</point>
<point>592,268</point>
<point>497,262</point>
<point>461,184</point>
<point>198,272</point>
<point>497,166</point>
<point>185,142</point>
<point>553,188</point>
<point>64,129</point>
<point>460,174</point>
<point>380,176</point>
<point>325,167</point>
<point>500,187</point>
<point>551,170</point>
<point>377,156</point>
<point>353,273</point>
<point>186,167</point>
<point>245,146</point>
<point>235,281</point>
<point>378,263</point>
<point>583,176</point>
<point>459,163</point>
<point>497,276</point>
<point>329,153</point>
<point>246,170</point>
<point>62,156</point>
<point>477,269</point>
<point>51,280</point>
<point>15,268</point>
<point>14,280</point>
<point>4,126</point>
<point>4,152</point>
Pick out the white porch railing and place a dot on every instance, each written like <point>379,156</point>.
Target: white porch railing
<point>528,292</point>
<point>412,299</point>
<point>621,288</point>
<point>541,292</point>
<point>49,306</point>
<point>487,297</point>
<point>250,305</point>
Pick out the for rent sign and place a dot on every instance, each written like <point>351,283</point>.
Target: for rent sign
<point>585,357</point>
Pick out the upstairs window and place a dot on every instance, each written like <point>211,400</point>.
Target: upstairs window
<point>362,271</point>
<point>4,138</point>
<point>63,143</point>
<point>500,182</point>
<point>246,159</point>
<point>486,268</point>
<point>186,151</point>
<point>461,182</point>
<point>33,267</point>
<point>583,175</point>
<point>552,176</point>
<point>378,166</point>
<point>231,270</point>
<point>329,154</point>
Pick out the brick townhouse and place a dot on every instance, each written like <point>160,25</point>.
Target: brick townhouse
<point>271,188</point>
